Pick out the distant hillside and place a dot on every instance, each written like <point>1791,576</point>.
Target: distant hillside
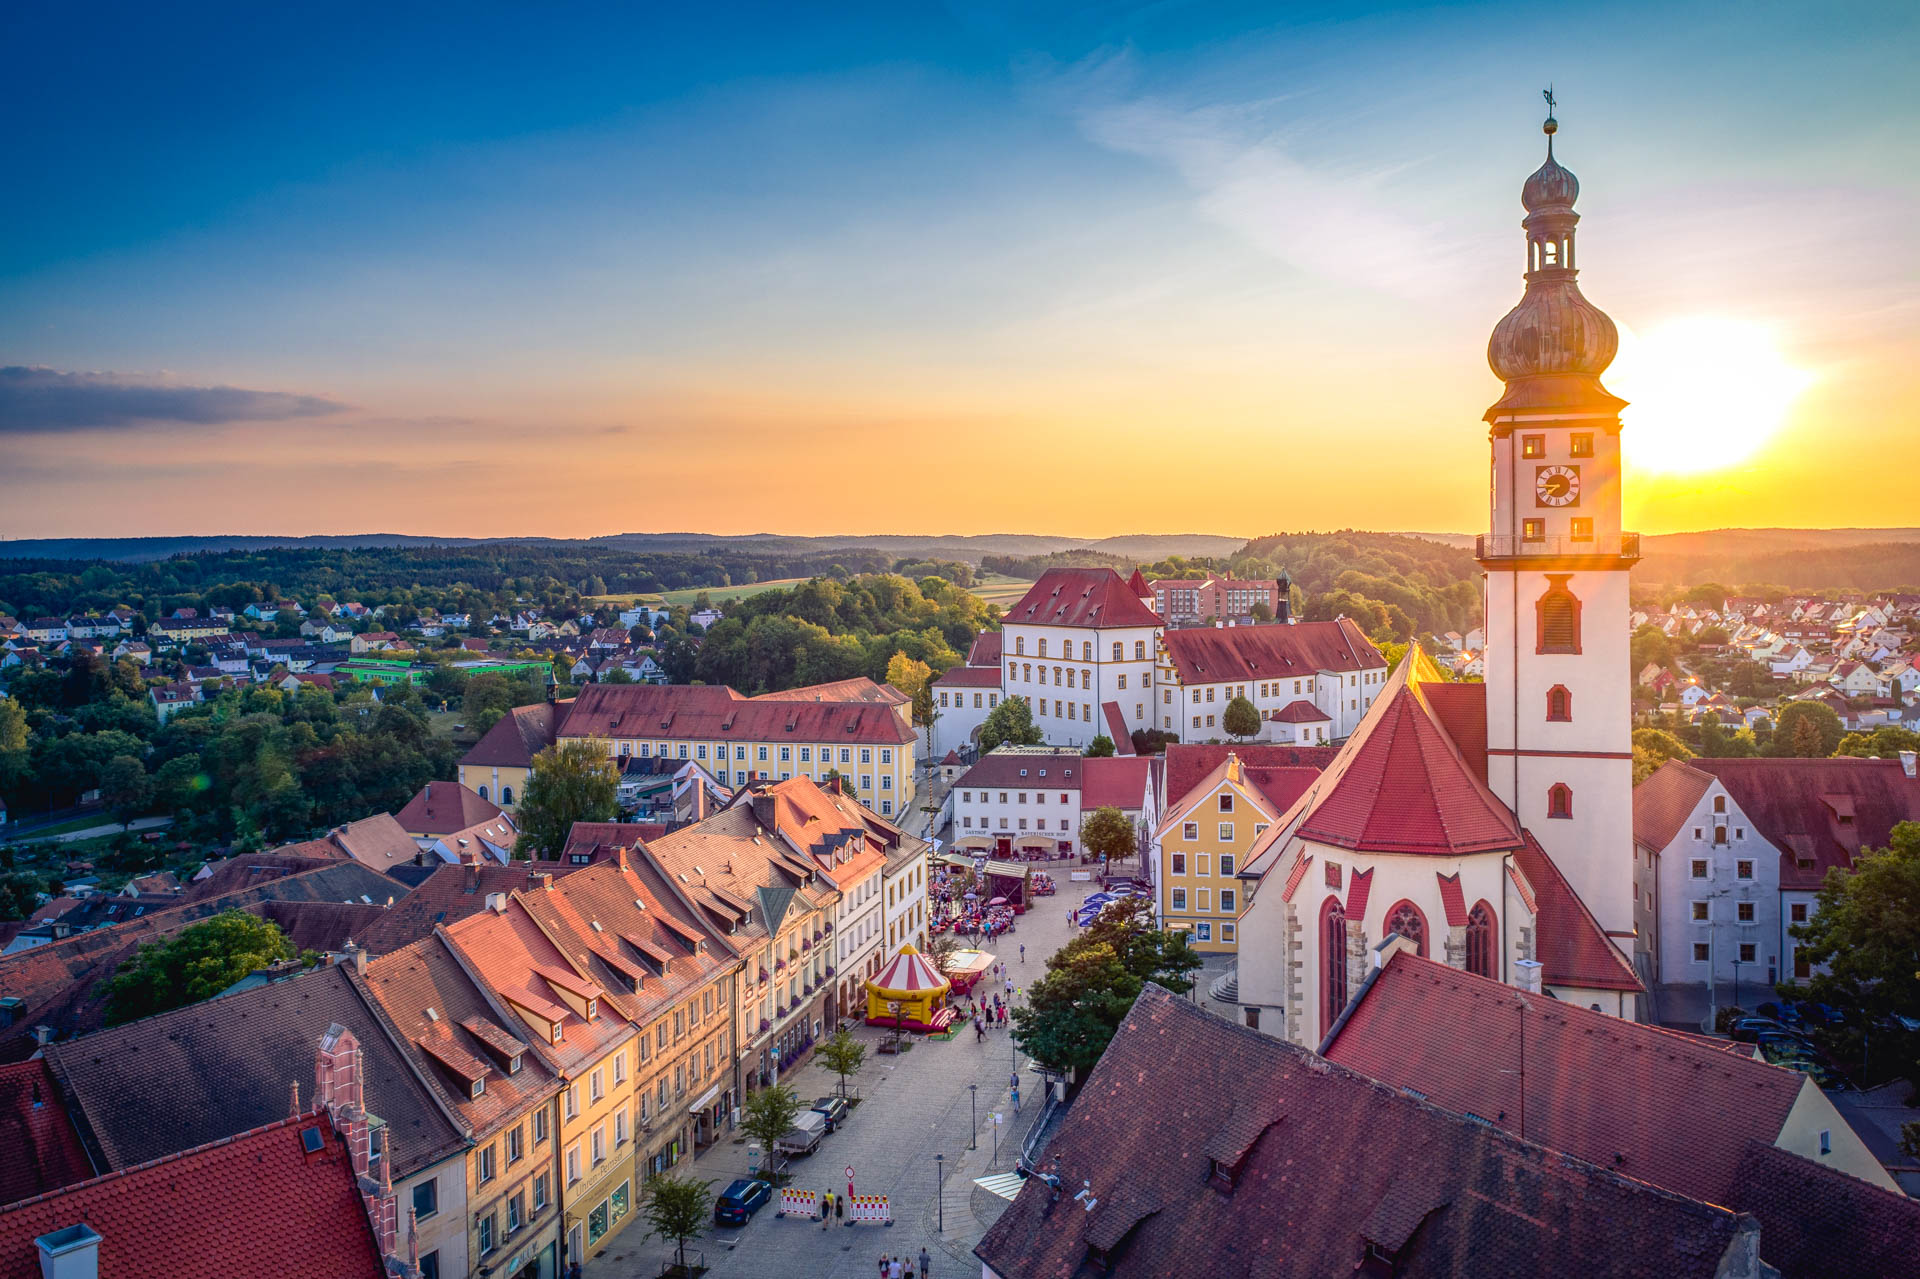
<point>1149,547</point>
<point>139,549</point>
<point>1799,559</point>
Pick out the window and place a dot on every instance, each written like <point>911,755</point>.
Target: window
<point>1797,913</point>
<point>620,1064</point>
<point>486,1233</point>
<point>430,1265</point>
<point>426,1199</point>
<point>1559,704</point>
<point>573,1100</point>
<point>1333,961</point>
<point>596,1085</point>
<point>1226,901</point>
<point>1205,900</point>
<point>1533,446</point>
<point>599,1145</point>
<point>1226,932</point>
<point>1533,530</point>
<point>1226,832</point>
<point>1560,800</point>
<point>1743,870</point>
<point>516,1212</point>
<point>1179,901</point>
<point>516,1144</point>
<point>573,1163</point>
<point>485,1171</point>
<point>539,1191</point>
<point>1701,952</point>
<point>1580,444</point>
<point>1699,868</point>
<point>1743,912</point>
<point>1119,648</point>
<point>539,1126</point>
<point>1580,528</point>
<point>1405,918</point>
<point>1747,952</point>
<point>1719,834</point>
<point>1226,863</point>
<point>1557,617</point>
<point>1700,911</point>
<point>1480,940</point>
<point>1226,801</point>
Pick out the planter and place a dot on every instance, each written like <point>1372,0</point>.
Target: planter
<point>829,970</point>
<point>765,1025</point>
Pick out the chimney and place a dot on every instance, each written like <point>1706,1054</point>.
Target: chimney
<point>1907,762</point>
<point>497,903</point>
<point>72,1253</point>
<point>699,800</point>
<point>470,877</point>
<point>356,955</point>
<point>1526,975</point>
<point>620,857</point>
<point>43,1035</point>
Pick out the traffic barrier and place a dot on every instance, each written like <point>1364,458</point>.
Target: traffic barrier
<point>799,1203</point>
<point>869,1208</point>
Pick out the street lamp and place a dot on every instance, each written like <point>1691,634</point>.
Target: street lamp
<point>995,1116</point>
<point>940,1193</point>
<point>973,1097</point>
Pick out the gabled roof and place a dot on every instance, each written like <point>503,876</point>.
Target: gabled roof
<point>1116,781</point>
<point>379,841</point>
<point>1572,947</point>
<point>1399,785</point>
<point>1816,1222</point>
<point>1462,711</point>
<point>1085,597</point>
<point>694,711</point>
<point>252,1204</point>
<point>985,649</point>
<point>1212,654</point>
<point>1188,764</point>
<point>517,736</point>
<point>1349,1164</point>
<point>1031,768</point>
<point>857,689</point>
<point>210,1070</point>
<point>969,677</point>
<point>42,1150</point>
<point>1798,806</point>
<point>1636,1099</point>
<point>443,808</point>
<point>1663,802</point>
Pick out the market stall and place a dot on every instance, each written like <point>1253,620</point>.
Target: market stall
<point>1009,880</point>
<point>909,993</point>
<point>966,967</point>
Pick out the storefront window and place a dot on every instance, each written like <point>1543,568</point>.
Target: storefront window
<point>621,1201</point>
<point>597,1224</point>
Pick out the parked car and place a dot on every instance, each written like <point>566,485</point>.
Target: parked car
<point>835,1109</point>
<point>809,1126</point>
<point>1748,1030</point>
<point>1787,1012</point>
<point>739,1201</point>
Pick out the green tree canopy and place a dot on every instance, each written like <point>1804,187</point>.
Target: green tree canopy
<point>1073,1011</point>
<point>1809,730</point>
<point>1101,747</point>
<point>676,1208</point>
<point>196,963</point>
<point>1011,723</point>
<point>841,1053</point>
<point>1241,719</point>
<point>768,1114</point>
<point>1885,742</point>
<point>1653,747</point>
<point>125,788</point>
<point>572,781</point>
<point>1107,832</point>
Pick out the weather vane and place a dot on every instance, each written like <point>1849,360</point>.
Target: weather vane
<point>1547,93</point>
<point>1552,126</point>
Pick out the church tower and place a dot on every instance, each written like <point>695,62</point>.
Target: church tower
<point>1559,719</point>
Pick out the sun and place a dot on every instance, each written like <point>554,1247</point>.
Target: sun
<point>1705,392</point>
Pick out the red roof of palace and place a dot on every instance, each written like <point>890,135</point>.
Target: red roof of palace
<point>1117,781</point>
<point>1399,785</point>
<point>1117,727</point>
<point>969,677</point>
<point>691,711</point>
<point>1211,654</point>
<point>985,649</point>
<point>1063,770</point>
<point>1636,1099</point>
<point>1662,803</point>
<point>1462,711</point>
<point>1300,711</point>
<point>255,1204</point>
<point>1081,597</point>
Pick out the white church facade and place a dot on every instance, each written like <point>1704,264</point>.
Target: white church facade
<point>1490,825</point>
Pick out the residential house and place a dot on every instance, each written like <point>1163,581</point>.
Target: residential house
<point>1024,798</point>
<point>170,699</point>
<point>454,824</point>
<point>499,764</point>
<point>374,642</point>
<point>1187,601</point>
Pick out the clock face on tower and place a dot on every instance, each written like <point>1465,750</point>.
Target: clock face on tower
<point>1556,485</point>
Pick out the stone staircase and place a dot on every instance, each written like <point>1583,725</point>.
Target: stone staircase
<point>1226,987</point>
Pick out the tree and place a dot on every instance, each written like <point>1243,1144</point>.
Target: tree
<point>1653,747</point>
<point>1820,736</point>
<point>125,788</point>
<point>768,1115</point>
<point>1241,719</point>
<point>14,743</point>
<point>194,964</point>
<point>1864,938</point>
<point>841,1053</point>
<point>1091,982</point>
<point>488,697</point>
<point>1101,747</point>
<point>1885,742</point>
<point>907,674</point>
<point>1106,832</point>
<point>573,781</point>
<point>677,1208</point>
<point>940,950</point>
<point>1011,723</point>
<point>1261,613</point>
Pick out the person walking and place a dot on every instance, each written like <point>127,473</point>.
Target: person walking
<point>926,1264</point>
<point>1023,952</point>
<point>883,1266</point>
<point>895,1269</point>
<point>840,1208</point>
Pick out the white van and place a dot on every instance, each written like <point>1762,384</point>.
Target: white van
<point>809,1126</point>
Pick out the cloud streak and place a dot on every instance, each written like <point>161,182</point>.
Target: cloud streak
<point>40,400</point>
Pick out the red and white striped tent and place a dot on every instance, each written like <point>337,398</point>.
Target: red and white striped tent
<point>908,991</point>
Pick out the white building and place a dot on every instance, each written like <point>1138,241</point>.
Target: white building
<point>1020,797</point>
<point>963,697</point>
<point>1080,641</point>
<point>1311,682</point>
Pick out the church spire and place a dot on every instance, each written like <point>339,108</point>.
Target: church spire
<point>1551,349</point>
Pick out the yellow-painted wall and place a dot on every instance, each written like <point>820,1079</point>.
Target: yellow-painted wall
<point>1198,855</point>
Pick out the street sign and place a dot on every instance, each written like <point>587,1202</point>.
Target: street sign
<point>849,1172</point>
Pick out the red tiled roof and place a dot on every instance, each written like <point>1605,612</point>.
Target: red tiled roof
<point>1572,947</point>
<point>1662,803</point>
<point>701,712</point>
<point>1300,711</point>
<point>42,1151</point>
<point>969,677</point>
<point>1797,805</point>
<point>1138,585</point>
<point>857,689</point>
<point>1629,1097</point>
<point>1325,1164</point>
<point>1088,597</point>
<point>1400,786</point>
<point>1188,765</point>
<point>255,1204</point>
<point>1359,888</point>
<point>517,736</point>
<point>1816,1220</point>
<point>1118,781</point>
<point>985,649</point>
<point>1064,770</point>
<point>444,808</point>
<point>1462,711</point>
<point>1294,876</point>
<point>1452,900</point>
<point>1211,654</point>
<point>1117,728</point>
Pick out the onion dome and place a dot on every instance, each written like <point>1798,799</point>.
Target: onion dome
<point>1551,349</point>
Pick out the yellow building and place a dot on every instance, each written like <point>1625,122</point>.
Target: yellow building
<point>1202,844</point>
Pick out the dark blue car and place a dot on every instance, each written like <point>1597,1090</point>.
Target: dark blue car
<point>739,1201</point>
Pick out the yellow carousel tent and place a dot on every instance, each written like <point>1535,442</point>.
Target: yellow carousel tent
<point>908,992</point>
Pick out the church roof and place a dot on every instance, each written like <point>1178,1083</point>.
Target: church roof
<point>1572,948</point>
<point>1400,785</point>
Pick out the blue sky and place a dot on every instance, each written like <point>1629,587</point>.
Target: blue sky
<point>498,257</point>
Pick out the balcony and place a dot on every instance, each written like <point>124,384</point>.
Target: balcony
<point>1623,547</point>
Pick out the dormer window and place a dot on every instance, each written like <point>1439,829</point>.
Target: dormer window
<point>592,1006</point>
<point>479,1086</point>
<point>513,1064</point>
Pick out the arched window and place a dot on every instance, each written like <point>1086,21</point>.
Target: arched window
<point>483,792</point>
<point>506,795</point>
<point>1405,918</point>
<point>1557,614</point>
<point>1559,703</point>
<point>1480,940</point>
<point>1560,800</point>
<point>1719,803</point>
<point>1333,961</point>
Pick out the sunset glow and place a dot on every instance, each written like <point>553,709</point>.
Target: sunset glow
<point>1705,393</point>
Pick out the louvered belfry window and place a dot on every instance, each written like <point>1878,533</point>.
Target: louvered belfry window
<point>1558,612</point>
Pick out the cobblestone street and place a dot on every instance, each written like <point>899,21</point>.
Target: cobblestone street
<point>914,1106</point>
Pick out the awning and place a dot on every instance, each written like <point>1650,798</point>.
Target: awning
<point>704,1100</point>
<point>1005,1184</point>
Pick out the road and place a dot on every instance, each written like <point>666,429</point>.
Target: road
<point>915,1106</point>
<point>91,832</point>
